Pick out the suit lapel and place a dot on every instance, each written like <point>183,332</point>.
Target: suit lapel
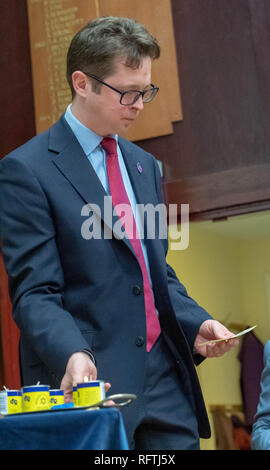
<point>138,180</point>
<point>71,160</point>
<point>75,166</point>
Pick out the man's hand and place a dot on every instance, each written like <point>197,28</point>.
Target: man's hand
<point>212,329</point>
<point>78,367</point>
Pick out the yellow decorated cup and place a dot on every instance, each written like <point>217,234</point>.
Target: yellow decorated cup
<point>10,401</point>
<point>56,397</point>
<point>14,399</point>
<point>90,393</point>
<point>36,398</point>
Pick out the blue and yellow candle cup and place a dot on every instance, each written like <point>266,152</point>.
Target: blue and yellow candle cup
<point>56,397</point>
<point>36,398</point>
<point>90,393</point>
<point>75,395</point>
<point>10,401</point>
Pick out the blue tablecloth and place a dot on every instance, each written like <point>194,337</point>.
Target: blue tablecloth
<point>64,430</point>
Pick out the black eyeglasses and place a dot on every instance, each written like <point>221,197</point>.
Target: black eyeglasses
<point>130,97</point>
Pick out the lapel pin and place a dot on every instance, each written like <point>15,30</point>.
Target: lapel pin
<point>139,167</point>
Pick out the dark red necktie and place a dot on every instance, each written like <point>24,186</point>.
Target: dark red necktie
<point>119,197</point>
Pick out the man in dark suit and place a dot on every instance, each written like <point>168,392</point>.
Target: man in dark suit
<point>94,302</point>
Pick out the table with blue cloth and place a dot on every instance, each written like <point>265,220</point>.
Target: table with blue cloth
<point>70,429</point>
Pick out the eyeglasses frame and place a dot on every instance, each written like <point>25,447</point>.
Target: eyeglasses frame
<point>122,93</point>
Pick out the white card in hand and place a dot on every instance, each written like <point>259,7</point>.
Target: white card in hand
<point>227,339</point>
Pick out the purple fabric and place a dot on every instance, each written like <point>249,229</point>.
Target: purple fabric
<point>251,358</point>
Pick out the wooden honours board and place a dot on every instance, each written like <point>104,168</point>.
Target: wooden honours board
<point>53,23</point>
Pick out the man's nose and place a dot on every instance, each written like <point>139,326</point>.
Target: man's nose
<point>138,104</point>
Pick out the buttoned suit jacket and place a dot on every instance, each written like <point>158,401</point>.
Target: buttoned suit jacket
<point>70,292</point>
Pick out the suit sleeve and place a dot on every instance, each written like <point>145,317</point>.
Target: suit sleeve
<point>188,313</point>
<point>260,439</point>
<point>36,281</point>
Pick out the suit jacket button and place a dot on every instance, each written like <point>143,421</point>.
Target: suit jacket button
<point>140,341</point>
<point>137,290</point>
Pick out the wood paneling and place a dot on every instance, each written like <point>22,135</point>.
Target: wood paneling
<point>217,156</point>
<point>9,374</point>
<point>259,24</point>
<point>223,192</point>
<point>17,123</point>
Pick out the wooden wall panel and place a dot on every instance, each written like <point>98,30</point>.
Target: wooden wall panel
<point>9,375</point>
<point>53,23</point>
<point>17,123</point>
<point>218,157</point>
<point>246,187</point>
<point>259,25</point>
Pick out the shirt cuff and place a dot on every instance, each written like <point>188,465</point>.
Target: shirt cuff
<point>93,359</point>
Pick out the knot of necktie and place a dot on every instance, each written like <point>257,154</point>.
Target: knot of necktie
<point>110,146</point>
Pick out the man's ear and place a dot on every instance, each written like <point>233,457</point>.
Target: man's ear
<point>80,83</point>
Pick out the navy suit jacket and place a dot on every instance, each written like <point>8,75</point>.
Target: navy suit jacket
<point>70,293</point>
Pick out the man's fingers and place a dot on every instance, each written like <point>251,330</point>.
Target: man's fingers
<point>109,403</point>
<point>220,348</point>
<point>80,368</point>
<point>68,396</point>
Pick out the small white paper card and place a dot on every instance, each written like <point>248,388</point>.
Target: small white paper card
<point>227,339</point>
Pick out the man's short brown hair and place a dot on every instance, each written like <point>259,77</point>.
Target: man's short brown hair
<point>96,46</point>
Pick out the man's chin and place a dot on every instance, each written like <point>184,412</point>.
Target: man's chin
<point>125,127</point>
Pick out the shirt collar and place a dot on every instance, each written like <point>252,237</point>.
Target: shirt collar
<point>87,138</point>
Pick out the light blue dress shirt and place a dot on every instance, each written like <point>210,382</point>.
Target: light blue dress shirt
<point>90,143</point>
